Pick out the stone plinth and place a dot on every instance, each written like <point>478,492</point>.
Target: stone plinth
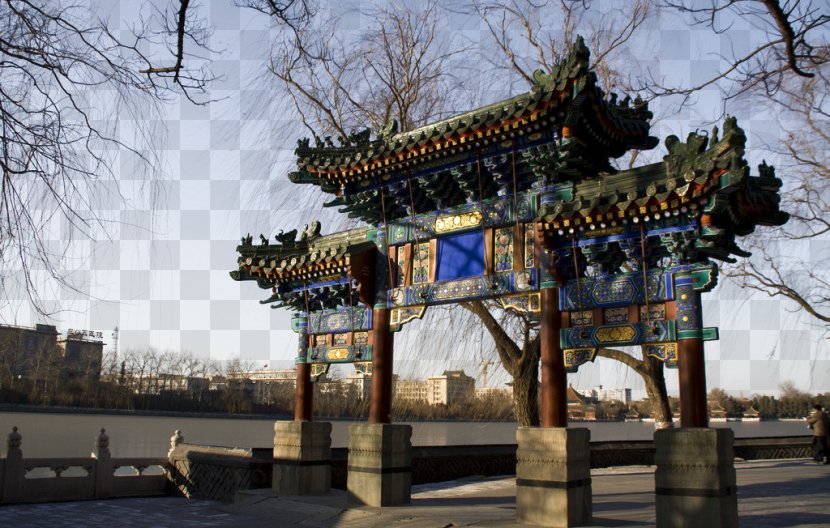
<point>302,458</point>
<point>553,476</point>
<point>380,464</point>
<point>695,478</point>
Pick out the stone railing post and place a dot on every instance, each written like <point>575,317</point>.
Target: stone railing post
<point>11,476</point>
<point>103,468</point>
<point>175,440</point>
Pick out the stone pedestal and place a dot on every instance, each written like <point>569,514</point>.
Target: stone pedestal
<point>380,464</point>
<point>12,469</point>
<point>695,478</point>
<point>302,458</point>
<point>103,466</point>
<point>553,476</point>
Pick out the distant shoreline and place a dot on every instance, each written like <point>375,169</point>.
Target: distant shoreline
<point>58,409</point>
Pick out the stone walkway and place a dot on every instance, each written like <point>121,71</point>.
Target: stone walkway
<point>770,494</point>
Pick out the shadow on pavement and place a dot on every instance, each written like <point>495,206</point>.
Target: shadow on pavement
<point>621,505</point>
<point>602,521</point>
<point>804,486</point>
<point>785,519</point>
<point>463,501</point>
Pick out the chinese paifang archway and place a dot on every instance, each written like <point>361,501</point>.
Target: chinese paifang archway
<point>517,201</point>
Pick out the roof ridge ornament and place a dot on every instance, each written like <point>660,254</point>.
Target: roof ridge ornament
<point>389,129</point>
<point>311,232</point>
<point>575,65</point>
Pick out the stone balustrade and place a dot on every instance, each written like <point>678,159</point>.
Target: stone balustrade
<point>217,473</point>
<point>27,480</point>
<point>209,472</point>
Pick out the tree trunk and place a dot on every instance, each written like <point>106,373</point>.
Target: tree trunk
<point>655,381</point>
<point>526,392</point>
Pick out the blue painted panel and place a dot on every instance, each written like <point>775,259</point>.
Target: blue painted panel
<point>460,256</point>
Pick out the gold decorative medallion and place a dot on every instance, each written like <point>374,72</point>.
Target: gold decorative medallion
<point>337,354</point>
<point>613,334</point>
<point>444,224</point>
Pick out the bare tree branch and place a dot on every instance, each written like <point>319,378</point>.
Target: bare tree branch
<point>796,42</point>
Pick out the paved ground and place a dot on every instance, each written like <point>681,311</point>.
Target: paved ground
<point>770,494</point>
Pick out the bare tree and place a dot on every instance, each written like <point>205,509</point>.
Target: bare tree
<point>804,156</point>
<point>518,25</point>
<point>398,68</point>
<point>61,80</point>
<point>532,35</point>
<point>238,394</point>
<point>795,45</point>
<point>787,74</point>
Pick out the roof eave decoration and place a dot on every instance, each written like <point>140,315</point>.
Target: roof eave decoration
<point>614,127</point>
<point>711,186</point>
<point>312,259</point>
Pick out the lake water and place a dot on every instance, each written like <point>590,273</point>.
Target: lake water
<point>70,435</point>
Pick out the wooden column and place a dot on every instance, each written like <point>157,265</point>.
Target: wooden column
<point>554,404</point>
<point>692,374</point>
<point>382,344</point>
<point>304,394</point>
<point>303,389</point>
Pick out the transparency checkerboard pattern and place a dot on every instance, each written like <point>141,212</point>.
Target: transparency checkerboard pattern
<point>162,275</point>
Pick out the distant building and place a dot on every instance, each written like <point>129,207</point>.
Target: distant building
<point>36,354</point>
<point>751,415</point>
<point>413,390</point>
<point>578,407</point>
<point>716,412</point>
<point>237,384</point>
<point>486,392</point>
<point>453,386</point>
<point>633,416</point>
<point>267,384</point>
<point>362,383</point>
<point>272,376</point>
<point>82,356</point>
<point>609,395</point>
<point>588,394</point>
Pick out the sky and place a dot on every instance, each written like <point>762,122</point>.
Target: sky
<point>161,271</point>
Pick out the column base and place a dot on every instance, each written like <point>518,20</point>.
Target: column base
<point>302,458</point>
<point>553,476</point>
<point>380,464</point>
<point>695,478</point>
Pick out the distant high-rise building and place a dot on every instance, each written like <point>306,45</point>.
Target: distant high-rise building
<point>620,395</point>
<point>453,386</point>
<point>415,390</point>
<point>589,394</point>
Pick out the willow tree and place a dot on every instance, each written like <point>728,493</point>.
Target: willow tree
<point>401,66</point>
<point>513,26</point>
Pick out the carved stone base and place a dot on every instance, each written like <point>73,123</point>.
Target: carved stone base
<point>302,458</point>
<point>380,464</point>
<point>553,476</point>
<point>695,478</point>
